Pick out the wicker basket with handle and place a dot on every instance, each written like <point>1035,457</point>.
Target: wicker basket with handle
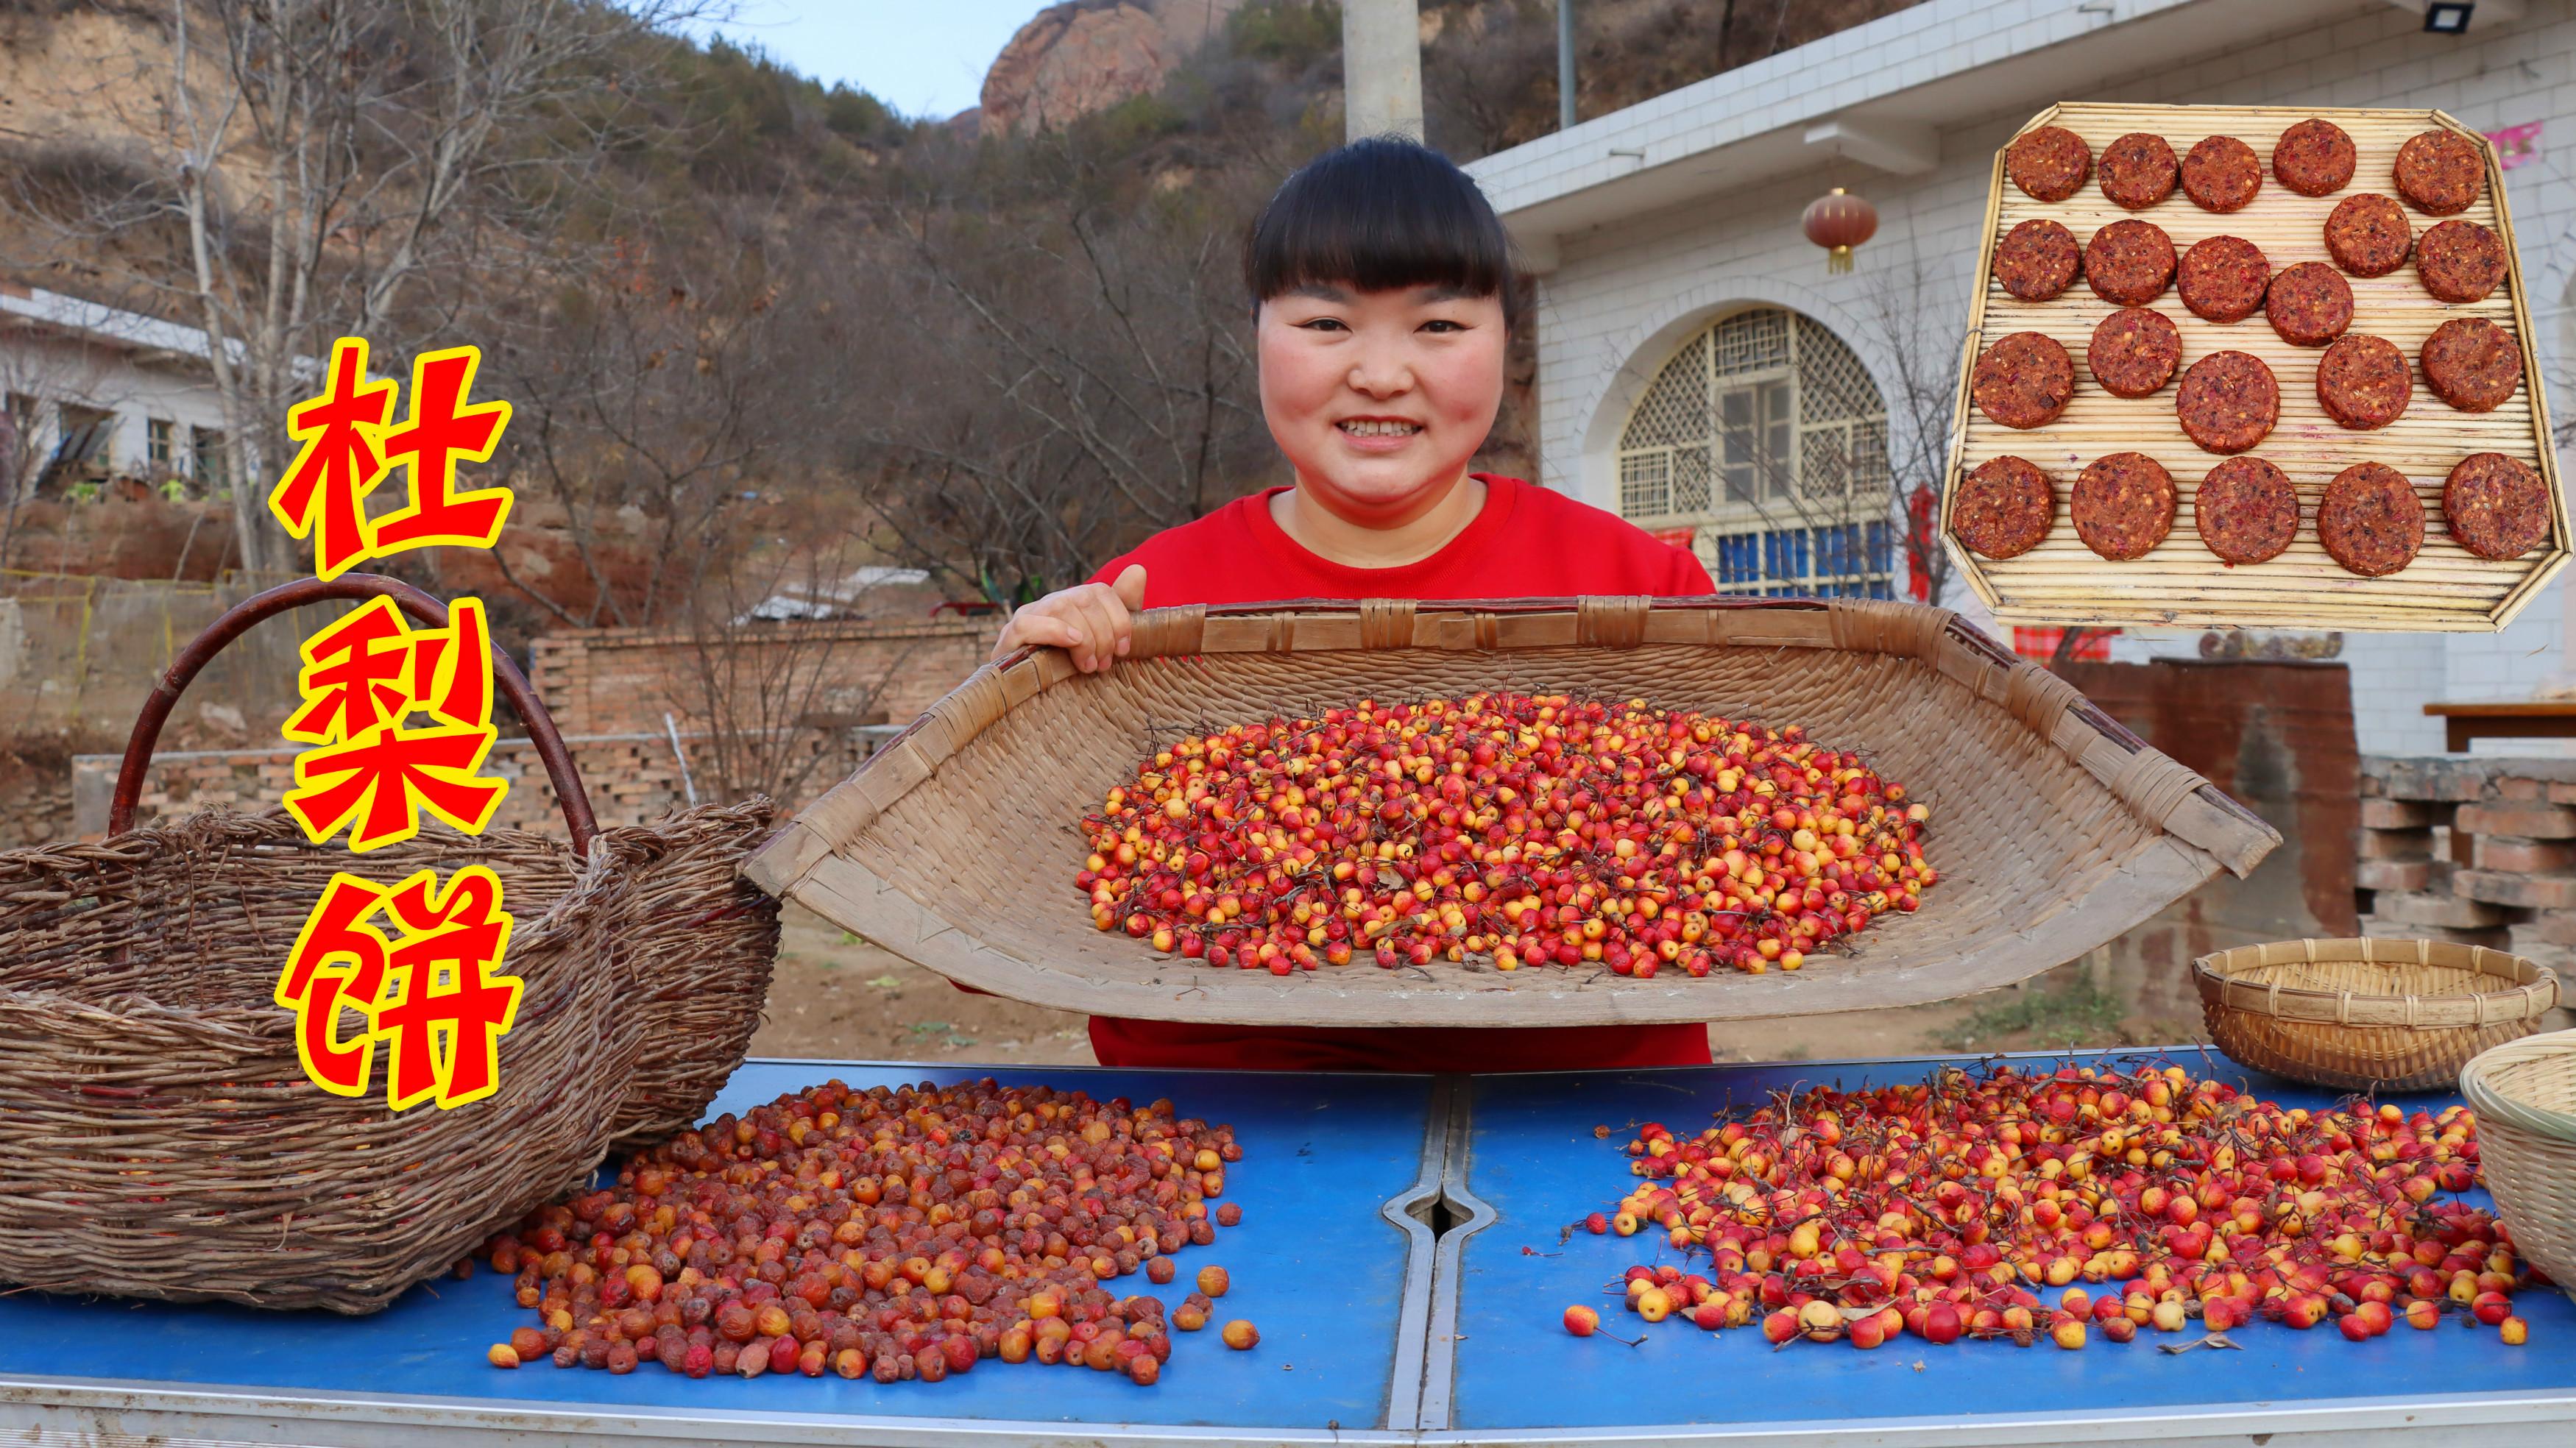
<point>2053,828</point>
<point>157,1135</point>
<point>2524,1093</point>
<point>698,944</point>
<point>2368,1015</point>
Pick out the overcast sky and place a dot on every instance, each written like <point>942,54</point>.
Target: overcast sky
<point>923,57</point>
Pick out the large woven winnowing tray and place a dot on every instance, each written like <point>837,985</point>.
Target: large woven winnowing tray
<point>2053,828</point>
<point>2179,581</point>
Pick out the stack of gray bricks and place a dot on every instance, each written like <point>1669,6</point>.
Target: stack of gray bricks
<point>2481,851</point>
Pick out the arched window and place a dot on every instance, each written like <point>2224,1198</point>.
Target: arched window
<point>1765,439</point>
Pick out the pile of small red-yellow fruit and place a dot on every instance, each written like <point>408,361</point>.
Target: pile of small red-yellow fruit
<point>1941,1209</point>
<point>897,1234</point>
<point>1524,829</point>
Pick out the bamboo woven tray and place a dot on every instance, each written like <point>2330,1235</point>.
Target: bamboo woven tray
<point>2180,582</point>
<point>2053,828</point>
<point>2368,1015</point>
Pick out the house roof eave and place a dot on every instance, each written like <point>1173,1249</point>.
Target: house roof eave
<point>1879,94</point>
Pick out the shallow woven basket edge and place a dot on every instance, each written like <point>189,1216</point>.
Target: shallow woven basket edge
<point>2533,994</point>
<point>2476,1083</point>
<point>2197,830</point>
<point>2527,1152</point>
<point>858,900</point>
<point>2352,1037</point>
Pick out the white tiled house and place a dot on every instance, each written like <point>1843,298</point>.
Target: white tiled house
<point>1667,240</point>
<point>93,392</point>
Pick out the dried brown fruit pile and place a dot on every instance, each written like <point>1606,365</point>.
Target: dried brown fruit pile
<point>896,1233</point>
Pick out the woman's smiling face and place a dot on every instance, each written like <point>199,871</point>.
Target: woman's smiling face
<point>1378,399</point>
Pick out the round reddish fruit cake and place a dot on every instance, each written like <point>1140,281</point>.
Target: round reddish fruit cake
<point>2222,174</point>
<point>2441,173</point>
<point>2228,402</point>
<point>2496,506</point>
<point>2037,260</point>
<point>2371,522</point>
<point>2246,511</point>
<point>2309,304</point>
<point>2368,235</point>
<point>2004,508</point>
<point>2222,278</point>
<point>2129,263</point>
<point>2460,261</point>
<point>2314,158</point>
<point>2134,352</point>
<point>2472,364</point>
<point>2363,382</point>
<point>2049,164</point>
<point>2123,505</point>
<point>2138,170</point>
<point>2024,381</point>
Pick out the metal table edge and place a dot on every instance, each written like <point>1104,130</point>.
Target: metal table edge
<point>1440,1358</point>
<point>394,1418</point>
<point>2235,1422</point>
<point>1410,1379</point>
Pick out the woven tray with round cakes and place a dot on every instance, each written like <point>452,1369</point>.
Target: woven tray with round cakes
<point>2118,457</point>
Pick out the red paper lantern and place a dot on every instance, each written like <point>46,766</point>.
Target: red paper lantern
<point>1839,221</point>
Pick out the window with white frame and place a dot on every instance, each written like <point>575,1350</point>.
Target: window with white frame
<point>1764,435</point>
<point>159,451</point>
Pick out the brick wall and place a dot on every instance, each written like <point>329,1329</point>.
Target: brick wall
<point>621,681</point>
<point>35,800</point>
<point>630,778</point>
<point>608,690</point>
<point>2276,737</point>
<point>2481,851</point>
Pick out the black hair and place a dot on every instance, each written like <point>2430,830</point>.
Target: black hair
<point>1383,213</point>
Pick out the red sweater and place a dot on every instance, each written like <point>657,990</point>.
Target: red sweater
<point>1527,541</point>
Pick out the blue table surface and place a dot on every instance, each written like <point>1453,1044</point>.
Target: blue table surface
<point>1534,1159</point>
<point>1312,1264</point>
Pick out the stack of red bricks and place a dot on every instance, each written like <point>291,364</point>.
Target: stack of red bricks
<point>2481,851</point>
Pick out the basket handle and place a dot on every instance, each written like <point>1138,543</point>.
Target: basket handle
<point>240,618</point>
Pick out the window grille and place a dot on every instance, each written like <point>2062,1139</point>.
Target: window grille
<point>1765,436</point>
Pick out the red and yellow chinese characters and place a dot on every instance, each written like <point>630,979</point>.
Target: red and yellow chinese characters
<point>400,722</point>
<point>350,441</point>
<point>424,992</point>
<point>374,771</point>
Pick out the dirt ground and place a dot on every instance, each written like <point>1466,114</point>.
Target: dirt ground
<point>838,997</point>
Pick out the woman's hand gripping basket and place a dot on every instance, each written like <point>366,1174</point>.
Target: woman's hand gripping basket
<point>2054,829</point>
<point>158,1137</point>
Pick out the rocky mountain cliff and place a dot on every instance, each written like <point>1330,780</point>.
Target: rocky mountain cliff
<point>1083,56</point>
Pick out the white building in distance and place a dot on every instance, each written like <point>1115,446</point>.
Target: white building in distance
<point>93,393</point>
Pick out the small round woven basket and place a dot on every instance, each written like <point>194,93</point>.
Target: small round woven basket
<point>2524,1093</point>
<point>2368,1015</point>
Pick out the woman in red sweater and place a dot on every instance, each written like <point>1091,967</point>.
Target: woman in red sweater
<point>1381,284</point>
